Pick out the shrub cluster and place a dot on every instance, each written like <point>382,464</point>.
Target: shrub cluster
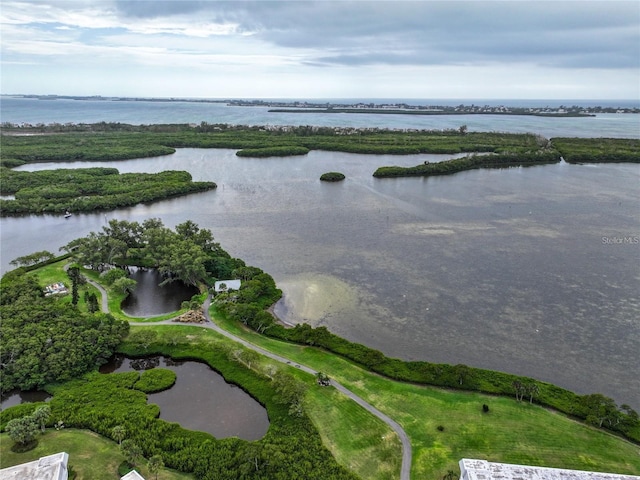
<point>448,167</point>
<point>286,151</point>
<point>598,150</point>
<point>332,177</point>
<point>155,380</point>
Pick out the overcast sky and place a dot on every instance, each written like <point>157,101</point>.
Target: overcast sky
<point>322,49</point>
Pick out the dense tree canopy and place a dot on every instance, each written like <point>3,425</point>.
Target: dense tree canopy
<point>44,340</point>
<point>189,254</point>
<point>89,189</point>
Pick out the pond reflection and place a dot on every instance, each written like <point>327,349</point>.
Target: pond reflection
<point>149,298</point>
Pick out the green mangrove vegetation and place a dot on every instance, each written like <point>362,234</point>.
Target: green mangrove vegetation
<point>155,380</point>
<point>332,177</point>
<point>89,189</point>
<point>76,142</point>
<point>288,151</point>
<point>448,167</point>
<point>598,150</point>
<point>113,141</point>
<point>595,409</point>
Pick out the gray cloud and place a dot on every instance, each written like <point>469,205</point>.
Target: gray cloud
<point>563,34</point>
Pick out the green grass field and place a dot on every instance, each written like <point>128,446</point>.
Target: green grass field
<point>54,273</point>
<point>90,455</point>
<point>511,432</point>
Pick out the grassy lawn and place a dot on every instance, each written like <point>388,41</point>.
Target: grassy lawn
<point>510,432</point>
<point>91,456</point>
<point>55,273</point>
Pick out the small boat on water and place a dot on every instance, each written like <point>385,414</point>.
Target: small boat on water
<point>67,214</point>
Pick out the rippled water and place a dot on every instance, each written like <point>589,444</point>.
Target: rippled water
<point>514,269</point>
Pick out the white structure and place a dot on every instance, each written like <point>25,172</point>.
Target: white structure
<point>132,475</point>
<point>226,285</point>
<point>51,467</point>
<point>471,469</point>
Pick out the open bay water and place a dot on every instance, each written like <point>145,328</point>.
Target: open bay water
<point>34,111</point>
<point>532,271</point>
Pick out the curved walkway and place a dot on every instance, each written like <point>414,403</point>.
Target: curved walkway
<point>103,294</point>
<point>405,469</point>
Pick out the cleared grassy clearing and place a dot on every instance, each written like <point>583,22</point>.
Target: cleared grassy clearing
<point>54,273</point>
<point>91,456</point>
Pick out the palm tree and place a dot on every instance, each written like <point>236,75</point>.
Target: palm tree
<point>532,390</point>
<point>154,464</point>
<point>118,433</point>
<point>131,451</point>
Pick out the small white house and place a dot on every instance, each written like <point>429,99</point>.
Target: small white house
<point>226,285</point>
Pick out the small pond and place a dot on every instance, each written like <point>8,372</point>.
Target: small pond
<point>14,398</point>
<point>149,299</point>
<point>200,399</point>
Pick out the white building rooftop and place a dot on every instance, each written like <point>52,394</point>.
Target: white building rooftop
<point>51,467</point>
<point>471,469</point>
<point>132,475</point>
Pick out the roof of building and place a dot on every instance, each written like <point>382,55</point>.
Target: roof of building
<point>471,469</point>
<point>229,284</point>
<point>51,467</point>
<point>132,475</point>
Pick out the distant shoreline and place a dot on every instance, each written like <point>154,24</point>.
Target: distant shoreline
<point>562,108</point>
<point>387,111</point>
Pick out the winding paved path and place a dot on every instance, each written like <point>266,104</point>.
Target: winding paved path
<point>405,469</point>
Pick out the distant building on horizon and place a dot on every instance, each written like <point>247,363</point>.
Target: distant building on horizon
<point>472,469</point>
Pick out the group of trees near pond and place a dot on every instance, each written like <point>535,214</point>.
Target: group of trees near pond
<point>188,253</point>
<point>89,189</point>
<point>44,340</point>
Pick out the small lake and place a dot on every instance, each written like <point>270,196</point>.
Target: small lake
<point>149,298</point>
<point>200,399</point>
<point>12,399</point>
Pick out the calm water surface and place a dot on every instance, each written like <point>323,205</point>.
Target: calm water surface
<point>514,269</point>
<point>149,298</point>
<point>33,111</point>
<point>16,398</point>
<point>200,399</point>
